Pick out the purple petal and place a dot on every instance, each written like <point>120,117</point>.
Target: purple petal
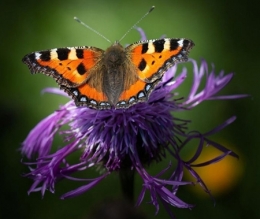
<point>84,188</point>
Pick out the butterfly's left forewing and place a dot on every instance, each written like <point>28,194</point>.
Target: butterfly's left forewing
<point>69,66</point>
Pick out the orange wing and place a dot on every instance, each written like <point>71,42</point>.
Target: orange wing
<point>152,59</point>
<point>73,68</point>
<point>69,66</point>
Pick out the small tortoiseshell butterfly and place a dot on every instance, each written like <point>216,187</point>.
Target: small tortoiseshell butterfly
<point>115,78</point>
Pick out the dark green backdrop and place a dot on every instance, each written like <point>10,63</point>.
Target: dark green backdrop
<point>225,32</point>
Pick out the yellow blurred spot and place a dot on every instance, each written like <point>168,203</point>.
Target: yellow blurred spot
<point>219,177</point>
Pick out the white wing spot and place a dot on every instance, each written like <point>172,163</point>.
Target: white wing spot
<point>37,55</point>
<point>167,45</point>
<point>151,48</point>
<point>72,54</point>
<point>54,54</point>
<point>75,92</point>
<point>180,42</point>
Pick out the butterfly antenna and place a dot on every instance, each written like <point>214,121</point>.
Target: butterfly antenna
<point>148,12</point>
<point>75,18</point>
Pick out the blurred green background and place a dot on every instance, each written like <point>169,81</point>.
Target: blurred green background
<point>226,33</point>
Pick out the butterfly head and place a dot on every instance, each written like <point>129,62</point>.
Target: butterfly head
<point>114,56</point>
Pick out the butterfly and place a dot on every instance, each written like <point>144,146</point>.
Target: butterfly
<point>117,77</point>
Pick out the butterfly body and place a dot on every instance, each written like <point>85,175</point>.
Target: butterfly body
<point>115,78</point>
<point>118,72</point>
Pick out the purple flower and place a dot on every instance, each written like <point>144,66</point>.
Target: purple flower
<point>128,139</point>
